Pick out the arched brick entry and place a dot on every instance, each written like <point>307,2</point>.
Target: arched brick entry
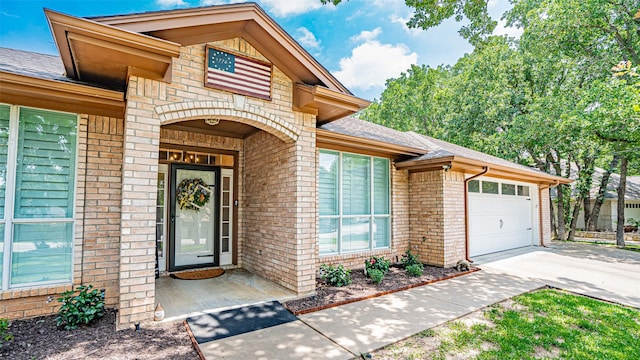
<point>245,113</point>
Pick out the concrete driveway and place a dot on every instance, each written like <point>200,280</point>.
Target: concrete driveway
<point>604,272</point>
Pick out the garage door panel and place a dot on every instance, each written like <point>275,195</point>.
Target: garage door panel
<point>498,222</point>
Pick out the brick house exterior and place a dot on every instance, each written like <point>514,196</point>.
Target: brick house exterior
<point>148,99</point>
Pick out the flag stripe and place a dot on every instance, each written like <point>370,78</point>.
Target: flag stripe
<point>244,75</point>
<point>230,78</point>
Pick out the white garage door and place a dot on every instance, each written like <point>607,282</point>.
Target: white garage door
<point>499,216</point>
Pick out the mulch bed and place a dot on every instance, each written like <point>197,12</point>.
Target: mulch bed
<point>361,288</point>
<point>39,338</point>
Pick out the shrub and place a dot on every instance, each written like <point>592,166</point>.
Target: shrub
<point>335,276</point>
<point>4,334</point>
<point>79,309</point>
<point>409,259</point>
<point>377,263</point>
<point>414,270</point>
<point>375,275</point>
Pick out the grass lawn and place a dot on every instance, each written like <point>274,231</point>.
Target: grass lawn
<point>542,324</point>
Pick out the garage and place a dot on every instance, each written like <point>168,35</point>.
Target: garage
<point>501,215</point>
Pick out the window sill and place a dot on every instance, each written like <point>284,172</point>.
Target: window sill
<point>43,290</point>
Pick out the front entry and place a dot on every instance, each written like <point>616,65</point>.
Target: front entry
<point>194,216</point>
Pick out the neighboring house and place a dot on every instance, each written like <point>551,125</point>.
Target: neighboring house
<point>100,143</point>
<point>608,217</point>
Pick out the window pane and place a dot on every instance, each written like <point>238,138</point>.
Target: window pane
<point>33,252</point>
<point>356,184</point>
<point>381,234</point>
<point>4,142</point>
<point>523,190</point>
<point>381,186</point>
<point>489,187</point>
<point>328,186</point>
<point>355,234</point>
<point>46,160</point>
<point>328,236</point>
<point>474,186</point>
<point>508,189</point>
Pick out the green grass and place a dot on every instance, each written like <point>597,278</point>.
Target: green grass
<point>545,323</point>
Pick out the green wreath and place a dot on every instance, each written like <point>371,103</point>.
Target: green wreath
<point>193,194</point>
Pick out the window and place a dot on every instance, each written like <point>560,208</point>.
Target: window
<point>489,187</point>
<point>474,186</point>
<point>523,190</point>
<point>355,210</point>
<point>37,192</point>
<point>508,189</point>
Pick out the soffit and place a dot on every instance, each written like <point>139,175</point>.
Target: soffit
<point>97,53</point>
<point>224,128</point>
<point>59,95</point>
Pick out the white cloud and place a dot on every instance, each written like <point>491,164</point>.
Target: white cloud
<point>366,35</point>
<point>171,3</point>
<point>372,62</point>
<point>503,29</point>
<point>292,7</point>
<point>306,38</point>
<point>403,22</point>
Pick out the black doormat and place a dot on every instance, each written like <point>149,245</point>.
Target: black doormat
<point>225,323</point>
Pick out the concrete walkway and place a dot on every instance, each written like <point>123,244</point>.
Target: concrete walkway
<point>347,331</point>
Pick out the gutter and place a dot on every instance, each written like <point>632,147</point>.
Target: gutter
<point>541,242</point>
<point>466,211</point>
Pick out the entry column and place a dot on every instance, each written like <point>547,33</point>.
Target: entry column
<point>139,193</point>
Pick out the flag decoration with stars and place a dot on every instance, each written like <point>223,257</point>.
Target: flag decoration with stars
<point>238,74</point>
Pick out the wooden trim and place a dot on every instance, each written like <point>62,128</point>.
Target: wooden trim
<point>60,95</point>
<point>326,104</point>
<point>336,141</point>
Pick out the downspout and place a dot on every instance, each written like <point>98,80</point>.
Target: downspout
<point>541,242</point>
<point>466,211</point>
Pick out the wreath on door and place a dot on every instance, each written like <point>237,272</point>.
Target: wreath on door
<point>193,194</point>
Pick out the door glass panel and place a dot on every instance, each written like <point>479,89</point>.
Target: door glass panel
<point>160,219</point>
<point>195,222</point>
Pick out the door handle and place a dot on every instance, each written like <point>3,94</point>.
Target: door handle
<point>501,223</point>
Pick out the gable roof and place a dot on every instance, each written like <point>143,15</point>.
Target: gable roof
<point>632,191</point>
<point>432,154</point>
<point>109,49</point>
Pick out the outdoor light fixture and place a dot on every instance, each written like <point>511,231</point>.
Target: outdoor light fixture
<point>212,122</point>
<point>446,167</point>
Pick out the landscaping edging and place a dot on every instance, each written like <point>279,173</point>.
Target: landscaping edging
<point>386,292</point>
<point>606,235</point>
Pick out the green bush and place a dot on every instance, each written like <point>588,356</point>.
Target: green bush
<point>377,263</point>
<point>414,270</point>
<point>409,259</point>
<point>4,334</point>
<point>335,276</point>
<point>80,309</point>
<point>376,276</point>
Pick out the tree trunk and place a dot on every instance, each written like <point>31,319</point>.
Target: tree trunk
<point>621,191</point>
<point>574,220</point>
<point>595,213</point>
<point>560,225</point>
<point>586,205</point>
<point>554,227</point>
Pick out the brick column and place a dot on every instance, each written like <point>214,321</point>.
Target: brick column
<point>139,192</point>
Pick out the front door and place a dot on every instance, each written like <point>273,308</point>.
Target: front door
<point>193,217</point>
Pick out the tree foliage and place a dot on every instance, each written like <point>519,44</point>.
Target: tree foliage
<point>547,99</point>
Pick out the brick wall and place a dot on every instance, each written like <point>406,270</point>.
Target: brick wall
<point>436,216</point>
<point>546,216</point>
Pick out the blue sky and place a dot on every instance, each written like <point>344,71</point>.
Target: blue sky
<point>362,42</point>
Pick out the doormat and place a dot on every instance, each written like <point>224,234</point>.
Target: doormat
<point>198,274</point>
<point>226,323</point>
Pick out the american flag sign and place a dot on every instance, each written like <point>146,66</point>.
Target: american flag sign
<point>238,74</point>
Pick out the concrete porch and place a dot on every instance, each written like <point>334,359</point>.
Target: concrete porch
<point>236,287</point>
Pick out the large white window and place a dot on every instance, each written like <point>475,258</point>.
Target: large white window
<point>355,211</point>
<point>37,182</point>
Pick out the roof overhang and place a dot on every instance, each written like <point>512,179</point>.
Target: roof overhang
<point>60,95</point>
<point>332,140</point>
<point>471,166</point>
<point>246,20</point>
<point>326,104</point>
<point>102,54</point>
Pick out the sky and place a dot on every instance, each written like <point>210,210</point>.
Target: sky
<point>361,42</point>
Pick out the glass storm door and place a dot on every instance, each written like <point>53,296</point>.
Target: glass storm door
<point>194,217</point>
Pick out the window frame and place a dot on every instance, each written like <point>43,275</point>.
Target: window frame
<point>371,216</point>
<point>9,219</point>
